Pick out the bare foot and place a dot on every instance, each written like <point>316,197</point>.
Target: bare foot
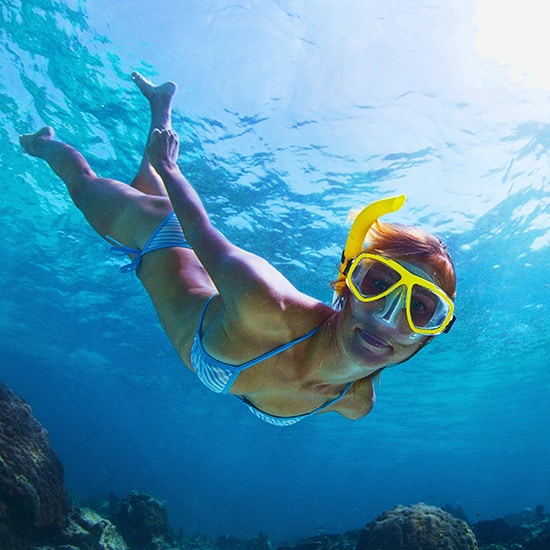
<point>32,143</point>
<point>162,92</point>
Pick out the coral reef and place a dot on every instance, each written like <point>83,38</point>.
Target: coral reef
<point>328,541</point>
<point>528,530</point>
<point>417,527</point>
<point>143,521</point>
<point>86,530</point>
<point>32,492</point>
<point>35,513</point>
<point>34,507</point>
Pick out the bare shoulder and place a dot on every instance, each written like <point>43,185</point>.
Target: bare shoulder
<point>261,296</point>
<point>358,402</point>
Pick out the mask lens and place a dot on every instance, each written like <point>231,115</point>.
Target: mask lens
<point>427,309</point>
<point>372,278</point>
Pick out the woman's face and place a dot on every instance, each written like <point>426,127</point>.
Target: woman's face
<point>375,337</point>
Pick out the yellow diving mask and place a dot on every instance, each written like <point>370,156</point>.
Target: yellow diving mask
<point>372,277</point>
<point>428,309</point>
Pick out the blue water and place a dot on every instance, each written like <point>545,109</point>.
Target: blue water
<point>290,113</point>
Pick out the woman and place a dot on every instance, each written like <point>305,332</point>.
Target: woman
<point>233,318</point>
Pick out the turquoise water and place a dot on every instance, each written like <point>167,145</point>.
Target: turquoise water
<point>290,114</point>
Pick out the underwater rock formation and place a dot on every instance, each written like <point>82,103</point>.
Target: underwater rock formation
<point>143,521</point>
<point>228,542</point>
<point>87,530</point>
<point>35,514</point>
<point>32,492</point>
<point>527,530</point>
<point>417,527</point>
<point>327,541</point>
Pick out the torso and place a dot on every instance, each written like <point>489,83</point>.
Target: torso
<point>283,385</point>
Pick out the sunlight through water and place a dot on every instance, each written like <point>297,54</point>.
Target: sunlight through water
<point>515,34</point>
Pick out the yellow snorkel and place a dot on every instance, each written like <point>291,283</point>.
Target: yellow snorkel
<point>362,224</point>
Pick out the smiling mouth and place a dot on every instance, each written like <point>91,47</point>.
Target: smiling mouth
<point>372,341</point>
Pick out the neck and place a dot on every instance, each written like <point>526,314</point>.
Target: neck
<point>327,362</point>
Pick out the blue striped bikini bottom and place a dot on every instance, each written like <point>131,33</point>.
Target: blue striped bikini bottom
<point>167,235</point>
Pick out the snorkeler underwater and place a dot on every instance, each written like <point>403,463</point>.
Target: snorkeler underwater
<point>233,318</point>
<point>260,273</point>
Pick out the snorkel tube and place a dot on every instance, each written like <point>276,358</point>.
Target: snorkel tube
<point>362,224</point>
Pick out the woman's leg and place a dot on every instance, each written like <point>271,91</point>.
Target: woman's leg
<point>160,101</point>
<point>111,207</point>
<point>174,278</point>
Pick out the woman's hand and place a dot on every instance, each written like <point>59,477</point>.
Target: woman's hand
<point>162,149</point>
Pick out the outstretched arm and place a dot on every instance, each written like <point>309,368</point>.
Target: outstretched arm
<point>162,151</point>
<point>243,279</point>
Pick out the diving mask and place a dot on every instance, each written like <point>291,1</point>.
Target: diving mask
<point>428,309</point>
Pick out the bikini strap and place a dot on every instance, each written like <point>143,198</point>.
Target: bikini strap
<point>168,234</point>
<point>279,349</point>
<point>123,250</point>
<point>333,401</point>
<point>203,313</point>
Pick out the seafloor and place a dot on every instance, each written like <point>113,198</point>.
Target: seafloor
<point>36,512</point>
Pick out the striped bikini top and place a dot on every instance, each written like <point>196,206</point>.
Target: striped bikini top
<point>220,377</point>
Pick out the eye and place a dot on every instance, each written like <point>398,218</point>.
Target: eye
<point>423,306</point>
<point>377,278</point>
<point>377,284</point>
<point>418,305</point>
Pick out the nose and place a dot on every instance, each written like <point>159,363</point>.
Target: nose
<point>394,303</point>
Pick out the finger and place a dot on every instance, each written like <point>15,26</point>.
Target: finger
<point>153,136</point>
<point>174,136</point>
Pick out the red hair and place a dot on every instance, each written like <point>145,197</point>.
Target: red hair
<point>408,243</point>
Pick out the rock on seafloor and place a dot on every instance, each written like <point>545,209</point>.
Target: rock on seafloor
<point>35,513</point>
<point>32,492</point>
<point>417,527</point>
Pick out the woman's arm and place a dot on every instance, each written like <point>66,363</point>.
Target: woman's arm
<point>243,279</point>
<point>162,151</point>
